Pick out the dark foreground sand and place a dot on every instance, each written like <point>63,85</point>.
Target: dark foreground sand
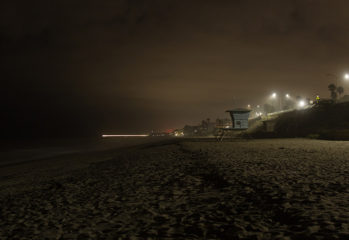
<point>258,189</point>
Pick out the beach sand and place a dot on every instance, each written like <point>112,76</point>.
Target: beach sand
<point>188,189</point>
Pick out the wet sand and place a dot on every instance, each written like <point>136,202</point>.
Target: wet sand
<point>190,189</point>
<point>24,165</point>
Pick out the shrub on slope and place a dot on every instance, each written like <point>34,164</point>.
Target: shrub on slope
<point>325,120</point>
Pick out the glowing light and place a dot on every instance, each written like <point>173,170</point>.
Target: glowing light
<point>287,95</point>
<point>346,76</point>
<point>301,103</point>
<point>140,135</point>
<point>273,95</point>
<point>248,106</point>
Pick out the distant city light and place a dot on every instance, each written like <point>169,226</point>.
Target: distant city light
<point>287,95</point>
<point>346,76</point>
<point>140,135</point>
<point>248,106</point>
<point>273,95</point>
<point>179,134</point>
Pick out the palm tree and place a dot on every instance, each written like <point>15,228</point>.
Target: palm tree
<point>333,89</point>
<point>340,90</point>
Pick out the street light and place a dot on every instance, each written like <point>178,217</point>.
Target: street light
<point>277,99</point>
<point>346,76</point>
<point>301,103</point>
<point>337,78</point>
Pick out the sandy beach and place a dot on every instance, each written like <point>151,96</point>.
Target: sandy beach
<point>183,189</point>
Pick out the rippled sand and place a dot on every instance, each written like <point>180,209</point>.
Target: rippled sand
<point>187,189</point>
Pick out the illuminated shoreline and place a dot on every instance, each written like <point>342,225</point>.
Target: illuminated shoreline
<point>129,135</point>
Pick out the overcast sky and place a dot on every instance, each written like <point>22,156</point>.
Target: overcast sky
<point>129,66</point>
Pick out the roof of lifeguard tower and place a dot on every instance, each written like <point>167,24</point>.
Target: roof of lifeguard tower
<point>237,110</point>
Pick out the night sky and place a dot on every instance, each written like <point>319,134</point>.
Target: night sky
<point>80,68</point>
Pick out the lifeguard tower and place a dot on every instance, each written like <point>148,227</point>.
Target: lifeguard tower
<point>239,119</point>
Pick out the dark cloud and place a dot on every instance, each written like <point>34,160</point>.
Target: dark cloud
<point>134,65</point>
